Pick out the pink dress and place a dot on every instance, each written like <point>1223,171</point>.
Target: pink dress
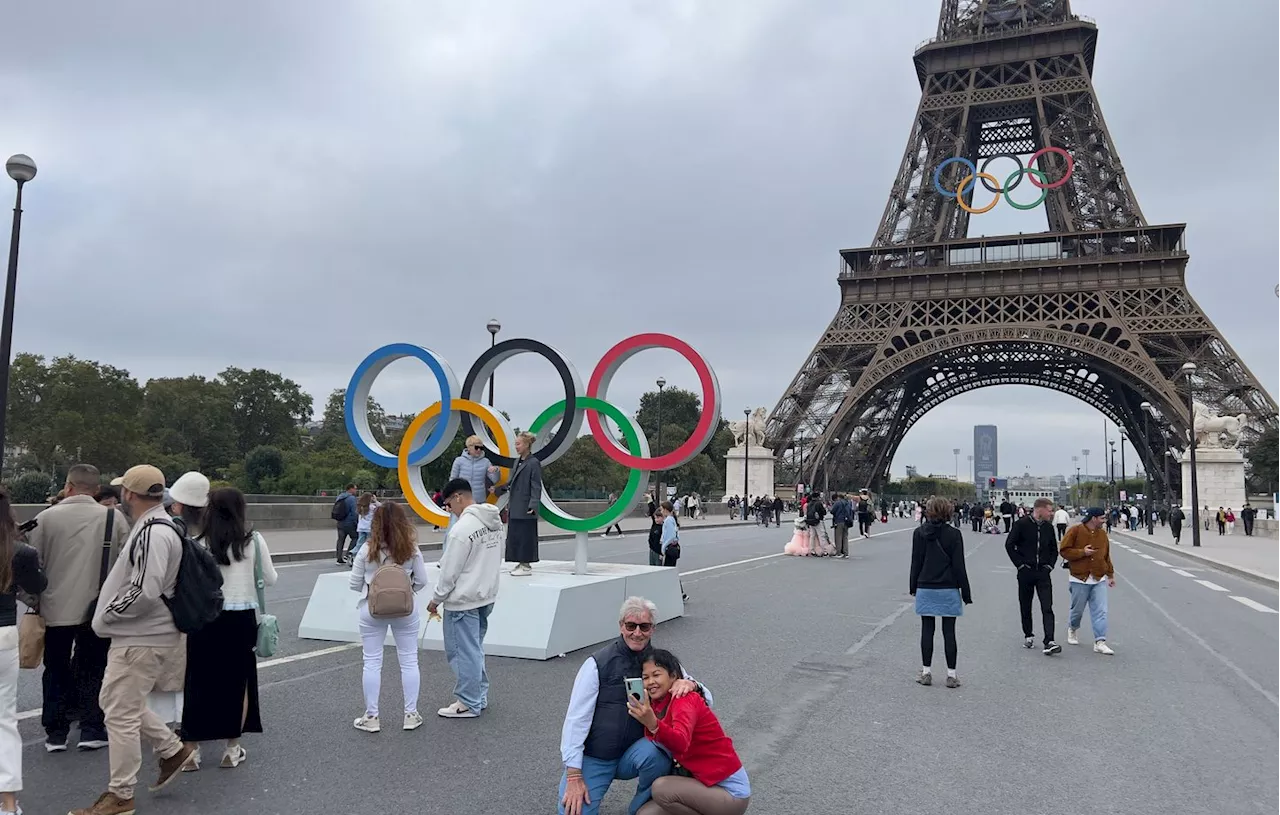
<point>798,545</point>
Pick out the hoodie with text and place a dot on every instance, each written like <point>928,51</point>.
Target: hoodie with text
<point>472,560</point>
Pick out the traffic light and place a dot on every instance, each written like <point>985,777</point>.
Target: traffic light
<point>991,482</point>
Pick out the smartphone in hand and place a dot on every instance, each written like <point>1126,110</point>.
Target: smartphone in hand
<point>635,689</point>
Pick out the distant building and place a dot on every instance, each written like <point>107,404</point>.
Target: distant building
<point>986,463</point>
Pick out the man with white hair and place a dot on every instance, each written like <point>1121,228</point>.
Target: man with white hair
<point>600,742</point>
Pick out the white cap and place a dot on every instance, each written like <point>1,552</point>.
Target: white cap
<point>191,489</point>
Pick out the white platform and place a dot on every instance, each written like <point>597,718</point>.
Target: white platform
<point>759,467</point>
<point>542,616</point>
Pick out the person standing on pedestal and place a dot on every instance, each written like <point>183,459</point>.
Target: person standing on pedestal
<point>525,488</point>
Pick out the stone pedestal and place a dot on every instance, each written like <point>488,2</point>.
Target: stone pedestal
<point>1219,478</point>
<point>759,471</point>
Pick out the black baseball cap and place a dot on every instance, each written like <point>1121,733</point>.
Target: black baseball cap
<point>1094,512</point>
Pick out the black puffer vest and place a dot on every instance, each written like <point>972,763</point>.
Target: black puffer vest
<point>612,728</point>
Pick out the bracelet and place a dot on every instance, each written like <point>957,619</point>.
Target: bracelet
<point>573,773</point>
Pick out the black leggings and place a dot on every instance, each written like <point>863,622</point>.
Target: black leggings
<point>948,640</point>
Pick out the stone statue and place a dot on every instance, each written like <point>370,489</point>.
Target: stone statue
<point>751,431</point>
<point>1217,431</point>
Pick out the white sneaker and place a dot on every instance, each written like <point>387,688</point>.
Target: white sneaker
<point>412,721</point>
<point>457,710</point>
<point>368,724</point>
<point>521,571</point>
<point>1101,647</point>
<point>1072,637</point>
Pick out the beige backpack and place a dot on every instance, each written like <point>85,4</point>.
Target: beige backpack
<point>390,592</point>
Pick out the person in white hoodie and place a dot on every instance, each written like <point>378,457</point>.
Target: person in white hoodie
<point>1061,519</point>
<point>466,588</point>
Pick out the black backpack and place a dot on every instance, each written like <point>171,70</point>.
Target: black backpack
<point>197,598</point>
<point>339,511</point>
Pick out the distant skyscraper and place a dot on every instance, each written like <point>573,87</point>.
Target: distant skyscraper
<point>985,461</point>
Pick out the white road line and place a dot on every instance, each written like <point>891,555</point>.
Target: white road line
<point>779,554</point>
<point>1256,606</point>
<point>1145,557</point>
<point>1208,584</point>
<point>1162,563</point>
<point>1183,573</point>
<point>270,663</point>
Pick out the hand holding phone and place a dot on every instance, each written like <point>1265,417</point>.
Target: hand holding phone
<point>635,689</point>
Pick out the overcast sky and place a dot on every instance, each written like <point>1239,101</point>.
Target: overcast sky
<point>293,184</point>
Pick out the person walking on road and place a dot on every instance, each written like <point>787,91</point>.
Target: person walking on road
<point>940,584</point>
<point>525,489</point>
<point>841,520</point>
<point>1087,550</point>
<point>392,543</point>
<point>1032,546</point>
<point>346,517</point>
<point>864,513</point>
<point>1061,519</point>
<point>655,538</point>
<point>778,506</point>
<point>1176,517</point>
<point>613,499</point>
<point>1247,516</point>
<point>1006,514</point>
<point>77,540</point>
<point>467,588</point>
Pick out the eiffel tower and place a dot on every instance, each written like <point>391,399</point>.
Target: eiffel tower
<point>1096,307</point>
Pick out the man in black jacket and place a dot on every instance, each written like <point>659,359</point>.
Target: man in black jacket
<point>1033,547</point>
<point>1248,515</point>
<point>1006,512</point>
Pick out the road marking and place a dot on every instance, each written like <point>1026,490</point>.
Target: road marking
<point>1146,557</point>
<point>1208,584</point>
<point>1248,680</point>
<point>1256,606</point>
<point>1162,563</point>
<point>1184,573</point>
<point>775,555</point>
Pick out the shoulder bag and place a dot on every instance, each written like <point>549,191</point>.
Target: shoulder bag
<point>268,626</point>
<point>105,564</point>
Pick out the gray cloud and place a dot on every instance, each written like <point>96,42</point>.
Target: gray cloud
<point>272,185</point>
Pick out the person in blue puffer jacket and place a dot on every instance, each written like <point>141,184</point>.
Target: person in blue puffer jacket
<point>474,467</point>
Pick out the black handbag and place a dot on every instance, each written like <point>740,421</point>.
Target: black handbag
<point>106,559</point>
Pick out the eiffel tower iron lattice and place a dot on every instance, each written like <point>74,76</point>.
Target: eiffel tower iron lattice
<point>1096,307</point>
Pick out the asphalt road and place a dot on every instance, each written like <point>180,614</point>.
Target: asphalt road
<point>812,663</point>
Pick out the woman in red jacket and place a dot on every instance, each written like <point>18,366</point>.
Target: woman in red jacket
<point>714,780</point>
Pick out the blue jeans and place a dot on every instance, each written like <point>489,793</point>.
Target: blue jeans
<point>361,537</point>
<point>464,648</point>
<point>1096,596</point>
<point>643,760</point>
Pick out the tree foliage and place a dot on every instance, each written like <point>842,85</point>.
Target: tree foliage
<point>1261,463</point>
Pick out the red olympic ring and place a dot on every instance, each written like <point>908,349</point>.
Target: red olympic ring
<point>1031,162</point>
<point>707,423</point>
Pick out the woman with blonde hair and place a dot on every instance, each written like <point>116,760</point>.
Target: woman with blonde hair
<point>940,584</point>
<point>474,467</point>
<point>525,489</point>
<point>392,542</point>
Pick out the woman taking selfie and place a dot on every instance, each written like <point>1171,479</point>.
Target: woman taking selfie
<point>714,781</point>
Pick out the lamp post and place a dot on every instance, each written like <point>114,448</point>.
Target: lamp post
<point>826,474</point>
<point>1168,489</point>
<point>1123,471</point>
<point>971,473</point>
<point>1189,369</point>
<point>21,169</point>
<point>1086,461</point>
<point>1074,459</point>
<point>956,452</point>
<point>494,327</point>
<point>661,383</point>
<point>1112,472</point>
<point>1146,476</point>
<point>746,461</point>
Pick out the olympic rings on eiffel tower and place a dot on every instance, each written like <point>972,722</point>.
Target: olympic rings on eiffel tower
<point>1038,179</point>
<point>555,429</point>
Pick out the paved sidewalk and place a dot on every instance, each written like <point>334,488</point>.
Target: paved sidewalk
<point>316,544</point>
<point>1256,557</point>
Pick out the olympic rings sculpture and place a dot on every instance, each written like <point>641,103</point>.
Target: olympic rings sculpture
<point>1038,179</point>
<point>555,429</point>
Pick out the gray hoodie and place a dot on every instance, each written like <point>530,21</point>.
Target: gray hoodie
<point>131,609</point>
<point>472,560</point>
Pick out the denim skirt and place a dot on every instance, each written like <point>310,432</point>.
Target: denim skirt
<point>939,603</point>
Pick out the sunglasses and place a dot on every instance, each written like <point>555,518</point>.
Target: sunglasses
<point>477,447</point>
<point>645,628</point>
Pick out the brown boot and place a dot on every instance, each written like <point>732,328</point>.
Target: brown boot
<point>107,804</point>
<point>170,767</point>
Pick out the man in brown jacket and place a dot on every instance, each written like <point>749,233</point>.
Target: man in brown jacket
<point>1087,550</point>
<point>76,547</point>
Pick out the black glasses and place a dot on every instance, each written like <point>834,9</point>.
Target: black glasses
<point>477,447</point>
<point>645,628</point>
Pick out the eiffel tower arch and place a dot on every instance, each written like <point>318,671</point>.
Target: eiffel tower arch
<point>1096,307</point>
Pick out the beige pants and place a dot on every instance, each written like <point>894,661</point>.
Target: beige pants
<point>677,795</point>
<point>131,675</point>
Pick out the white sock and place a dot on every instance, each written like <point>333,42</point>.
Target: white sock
<point>951,672</point>
<point>926,670</point>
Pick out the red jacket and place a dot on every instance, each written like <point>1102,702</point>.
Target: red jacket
<point>692,733</point>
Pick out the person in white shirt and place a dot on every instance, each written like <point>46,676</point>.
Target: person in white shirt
<point>468,585</point>
<point>394,541</point>
<point>600,742</point>
<point>1061,518</point>
<point>366,505</point>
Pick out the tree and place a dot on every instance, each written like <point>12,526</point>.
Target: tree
<point>31,488</point>
<point>334,429</point>
<point>267,408</point>
<point>1261,464</point>
<point>699,475</point>
<point>192,416</point>
<point>680,407</point>
<point>262,464</point>
<point>584,466</point>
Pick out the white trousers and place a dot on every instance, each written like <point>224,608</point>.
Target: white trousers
<point>10,741</point>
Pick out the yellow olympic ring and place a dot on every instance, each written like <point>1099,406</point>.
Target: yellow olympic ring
<point>988,207</point>
<point>415,492</point>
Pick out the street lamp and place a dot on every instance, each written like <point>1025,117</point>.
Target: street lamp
<point>1113,471</point>
<point>661,383</point>
<point>1074,459</point>
<point>746,459</point>
<point>494,327</point>
<point>21,169</point>
<point>956,451</point>
<point>1189,369</point>
<point>826,476</point>
<point>1123,470</point>
<point>1146,476</point>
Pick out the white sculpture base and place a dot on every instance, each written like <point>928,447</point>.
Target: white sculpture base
<point>1219,478</point>
<point>552,612</point>
<point>759,475</point>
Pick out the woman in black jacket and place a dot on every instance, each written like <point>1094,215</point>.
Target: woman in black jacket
<point>940,585</point>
